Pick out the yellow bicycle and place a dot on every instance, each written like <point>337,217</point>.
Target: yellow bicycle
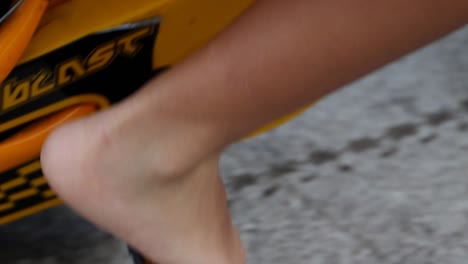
<point>64,59</point>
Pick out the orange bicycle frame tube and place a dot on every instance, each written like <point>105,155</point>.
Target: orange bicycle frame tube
<point>17,31</point>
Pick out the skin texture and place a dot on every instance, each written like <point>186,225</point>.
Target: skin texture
<point>147,169</point>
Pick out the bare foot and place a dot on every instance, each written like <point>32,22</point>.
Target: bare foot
<point>158,191</point>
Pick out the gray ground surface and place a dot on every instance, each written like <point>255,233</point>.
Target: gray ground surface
<point>377,173</point>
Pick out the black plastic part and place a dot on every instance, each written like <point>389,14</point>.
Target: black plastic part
<point>137,258</point>
<point>7,7</point>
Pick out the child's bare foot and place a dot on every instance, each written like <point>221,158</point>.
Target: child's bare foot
<point>159,191</point>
